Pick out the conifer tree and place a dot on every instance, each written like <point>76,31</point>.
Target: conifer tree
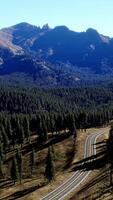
<point>1,157</point>
<point>45,131</point>
<point>1,166</point>
<point>19,163</point>
<point>50,167</point>
<point>32,160</point>
<point>5,138</point>
<point>14,170</point>
<point>53,152</point>
<point>26,128</point>
<point>1,151</point>
<point>21,135</point>
<point>14,139</point>
<point>9,129</point>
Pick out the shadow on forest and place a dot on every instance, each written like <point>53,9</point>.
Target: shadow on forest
<point>41,145</point>
<point>22,193</point>
<point>6,183</point>
<point>98,161</point>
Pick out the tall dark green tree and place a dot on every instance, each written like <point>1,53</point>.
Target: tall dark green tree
<point>14,138</point>
<point>1,157</point>
<point>26,128</point>
<point>5,138</point>
<point>32,160</point>
<point>1,151</point>
<point>50,166</point>
<point>9,128</point>
<point>1,166</point>
<point>19,163</point>
<point>14,170</point>
<point>21,136</point>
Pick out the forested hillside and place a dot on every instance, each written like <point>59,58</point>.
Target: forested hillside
<point>32,119</point>
<point>48,110</point>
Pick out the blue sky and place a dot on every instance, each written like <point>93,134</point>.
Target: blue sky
<point>78,15</point>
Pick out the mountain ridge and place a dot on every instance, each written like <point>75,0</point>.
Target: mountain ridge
<point>58,52</point>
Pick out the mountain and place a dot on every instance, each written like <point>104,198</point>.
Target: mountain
<point>85,49</point>
<point>54,57</point>
<point>21,36</point>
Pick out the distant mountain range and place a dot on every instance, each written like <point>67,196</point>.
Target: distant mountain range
<point>54,57</point>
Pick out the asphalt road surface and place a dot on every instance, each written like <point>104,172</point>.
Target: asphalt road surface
<point>79,176</point>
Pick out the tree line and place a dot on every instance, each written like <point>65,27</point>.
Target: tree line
<point>25,112</point>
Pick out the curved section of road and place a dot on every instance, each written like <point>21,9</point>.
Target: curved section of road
<point>79,176</point>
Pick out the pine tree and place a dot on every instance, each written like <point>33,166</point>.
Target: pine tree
<point>19,162</point>
<point>32,160</point>
<point>50,168</point>
<point>71,125</point>
<point>26,128</point>
<point>1,151</point>
<point>14,170</point>
<point>14,139</point>
<point>21,135</point>
<point>9,129</point>
<point>1,166</point>
<point>5,138</point>
<point>45,132</point>
<point>53,152</point>
<point>1,157</point>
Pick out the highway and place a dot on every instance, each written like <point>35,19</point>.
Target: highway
<point>79,176</point>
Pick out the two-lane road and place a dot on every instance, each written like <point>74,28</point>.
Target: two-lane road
<point>79,176</point>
